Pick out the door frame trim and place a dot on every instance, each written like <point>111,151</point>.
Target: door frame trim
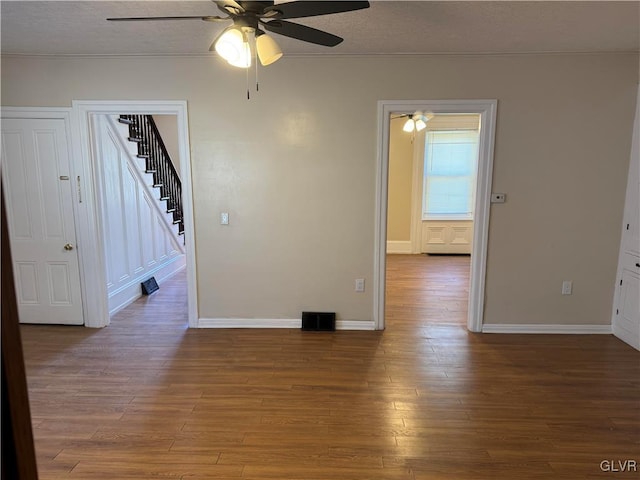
<point>66,115</point>
<point>90,223</point>
<point>417,181</point>
<point>487,110</point>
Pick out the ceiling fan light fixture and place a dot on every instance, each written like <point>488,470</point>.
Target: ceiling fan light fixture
<point>233,46</point>
<point>409,126</point>
<point>268,50</point>
<point>420,119</point>
<point>420,124</point>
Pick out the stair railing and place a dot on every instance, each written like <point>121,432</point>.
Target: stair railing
<point>151,147</point>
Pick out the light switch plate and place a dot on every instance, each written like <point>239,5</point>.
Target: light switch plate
<point>498,197</point>
<point>224,218</point>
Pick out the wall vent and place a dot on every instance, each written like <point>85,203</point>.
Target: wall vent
<point>319,321</point>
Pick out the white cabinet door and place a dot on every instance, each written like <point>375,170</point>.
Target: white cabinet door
<point>626,309</point>
<point>627,315</point>
<point>38,193</point>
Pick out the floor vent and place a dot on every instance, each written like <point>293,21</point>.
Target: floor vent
<point>149,286</point>
<point>319,321</point>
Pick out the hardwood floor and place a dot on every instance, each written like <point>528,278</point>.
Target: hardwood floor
<point>148,398</point>
<point>427,291</point>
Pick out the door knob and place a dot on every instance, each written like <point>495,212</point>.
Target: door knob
<point>68,246</point>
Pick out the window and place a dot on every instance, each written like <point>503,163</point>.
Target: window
<point>450,165</point>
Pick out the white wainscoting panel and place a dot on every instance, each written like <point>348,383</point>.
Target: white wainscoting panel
<point>454,236</point>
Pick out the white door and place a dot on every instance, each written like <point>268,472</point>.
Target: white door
<point>626,314</point>
<point>38,192</point>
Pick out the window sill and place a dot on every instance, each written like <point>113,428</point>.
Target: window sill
<point>447,218</point>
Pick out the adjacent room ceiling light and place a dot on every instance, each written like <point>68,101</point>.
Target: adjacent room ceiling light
<point>417,121</point>
<point>409,126</point>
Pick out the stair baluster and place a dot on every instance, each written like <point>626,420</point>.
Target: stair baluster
<point>143,130</point>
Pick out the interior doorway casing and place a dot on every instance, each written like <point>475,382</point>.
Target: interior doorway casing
<point>487,110</point>
<point>88,222</point>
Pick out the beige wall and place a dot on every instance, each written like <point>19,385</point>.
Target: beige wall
<point>295,167</point>
<point>168,128</point>
<point>400,177</point>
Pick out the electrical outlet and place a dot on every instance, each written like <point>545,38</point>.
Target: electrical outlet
<point>359,284</point>
<point>567,287</point>
<point>224,218</point>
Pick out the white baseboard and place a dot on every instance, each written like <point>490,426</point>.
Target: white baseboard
<point>630,338</point>
<point>249,323</point>
<point>130,292</point>
<point>548,329</point>
<point>355,325</point>
<point>277,323</point>
<point>399,246</point>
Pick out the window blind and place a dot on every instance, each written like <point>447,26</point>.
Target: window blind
<point>451,160</point>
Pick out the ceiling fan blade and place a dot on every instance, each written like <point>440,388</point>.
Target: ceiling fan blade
<point>313,8</point>
<point>302,32</point>
<point>207,18</point>
<point>229,6</point>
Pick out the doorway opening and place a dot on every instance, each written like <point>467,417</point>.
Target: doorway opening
<point>96,125</point>
<point>433,194</point>
<point>140,204</point>
<point>430,212</point>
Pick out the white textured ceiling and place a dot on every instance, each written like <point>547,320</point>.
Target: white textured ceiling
<point>413,27</point>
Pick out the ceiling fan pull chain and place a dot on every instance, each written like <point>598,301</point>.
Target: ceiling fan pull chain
<point>247,75</point>
<point>256,60</point>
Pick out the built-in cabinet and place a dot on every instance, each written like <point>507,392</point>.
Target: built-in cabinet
<point>626,308</point>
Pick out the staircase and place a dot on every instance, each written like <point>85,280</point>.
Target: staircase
<point>157,163</point>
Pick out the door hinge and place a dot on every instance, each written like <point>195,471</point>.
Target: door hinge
<point>627,226</point>
<point>79,190</point>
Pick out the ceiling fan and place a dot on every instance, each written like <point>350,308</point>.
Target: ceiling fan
<point>248,17</point>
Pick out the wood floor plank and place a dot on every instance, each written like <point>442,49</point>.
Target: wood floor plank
<point>147,398</point>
